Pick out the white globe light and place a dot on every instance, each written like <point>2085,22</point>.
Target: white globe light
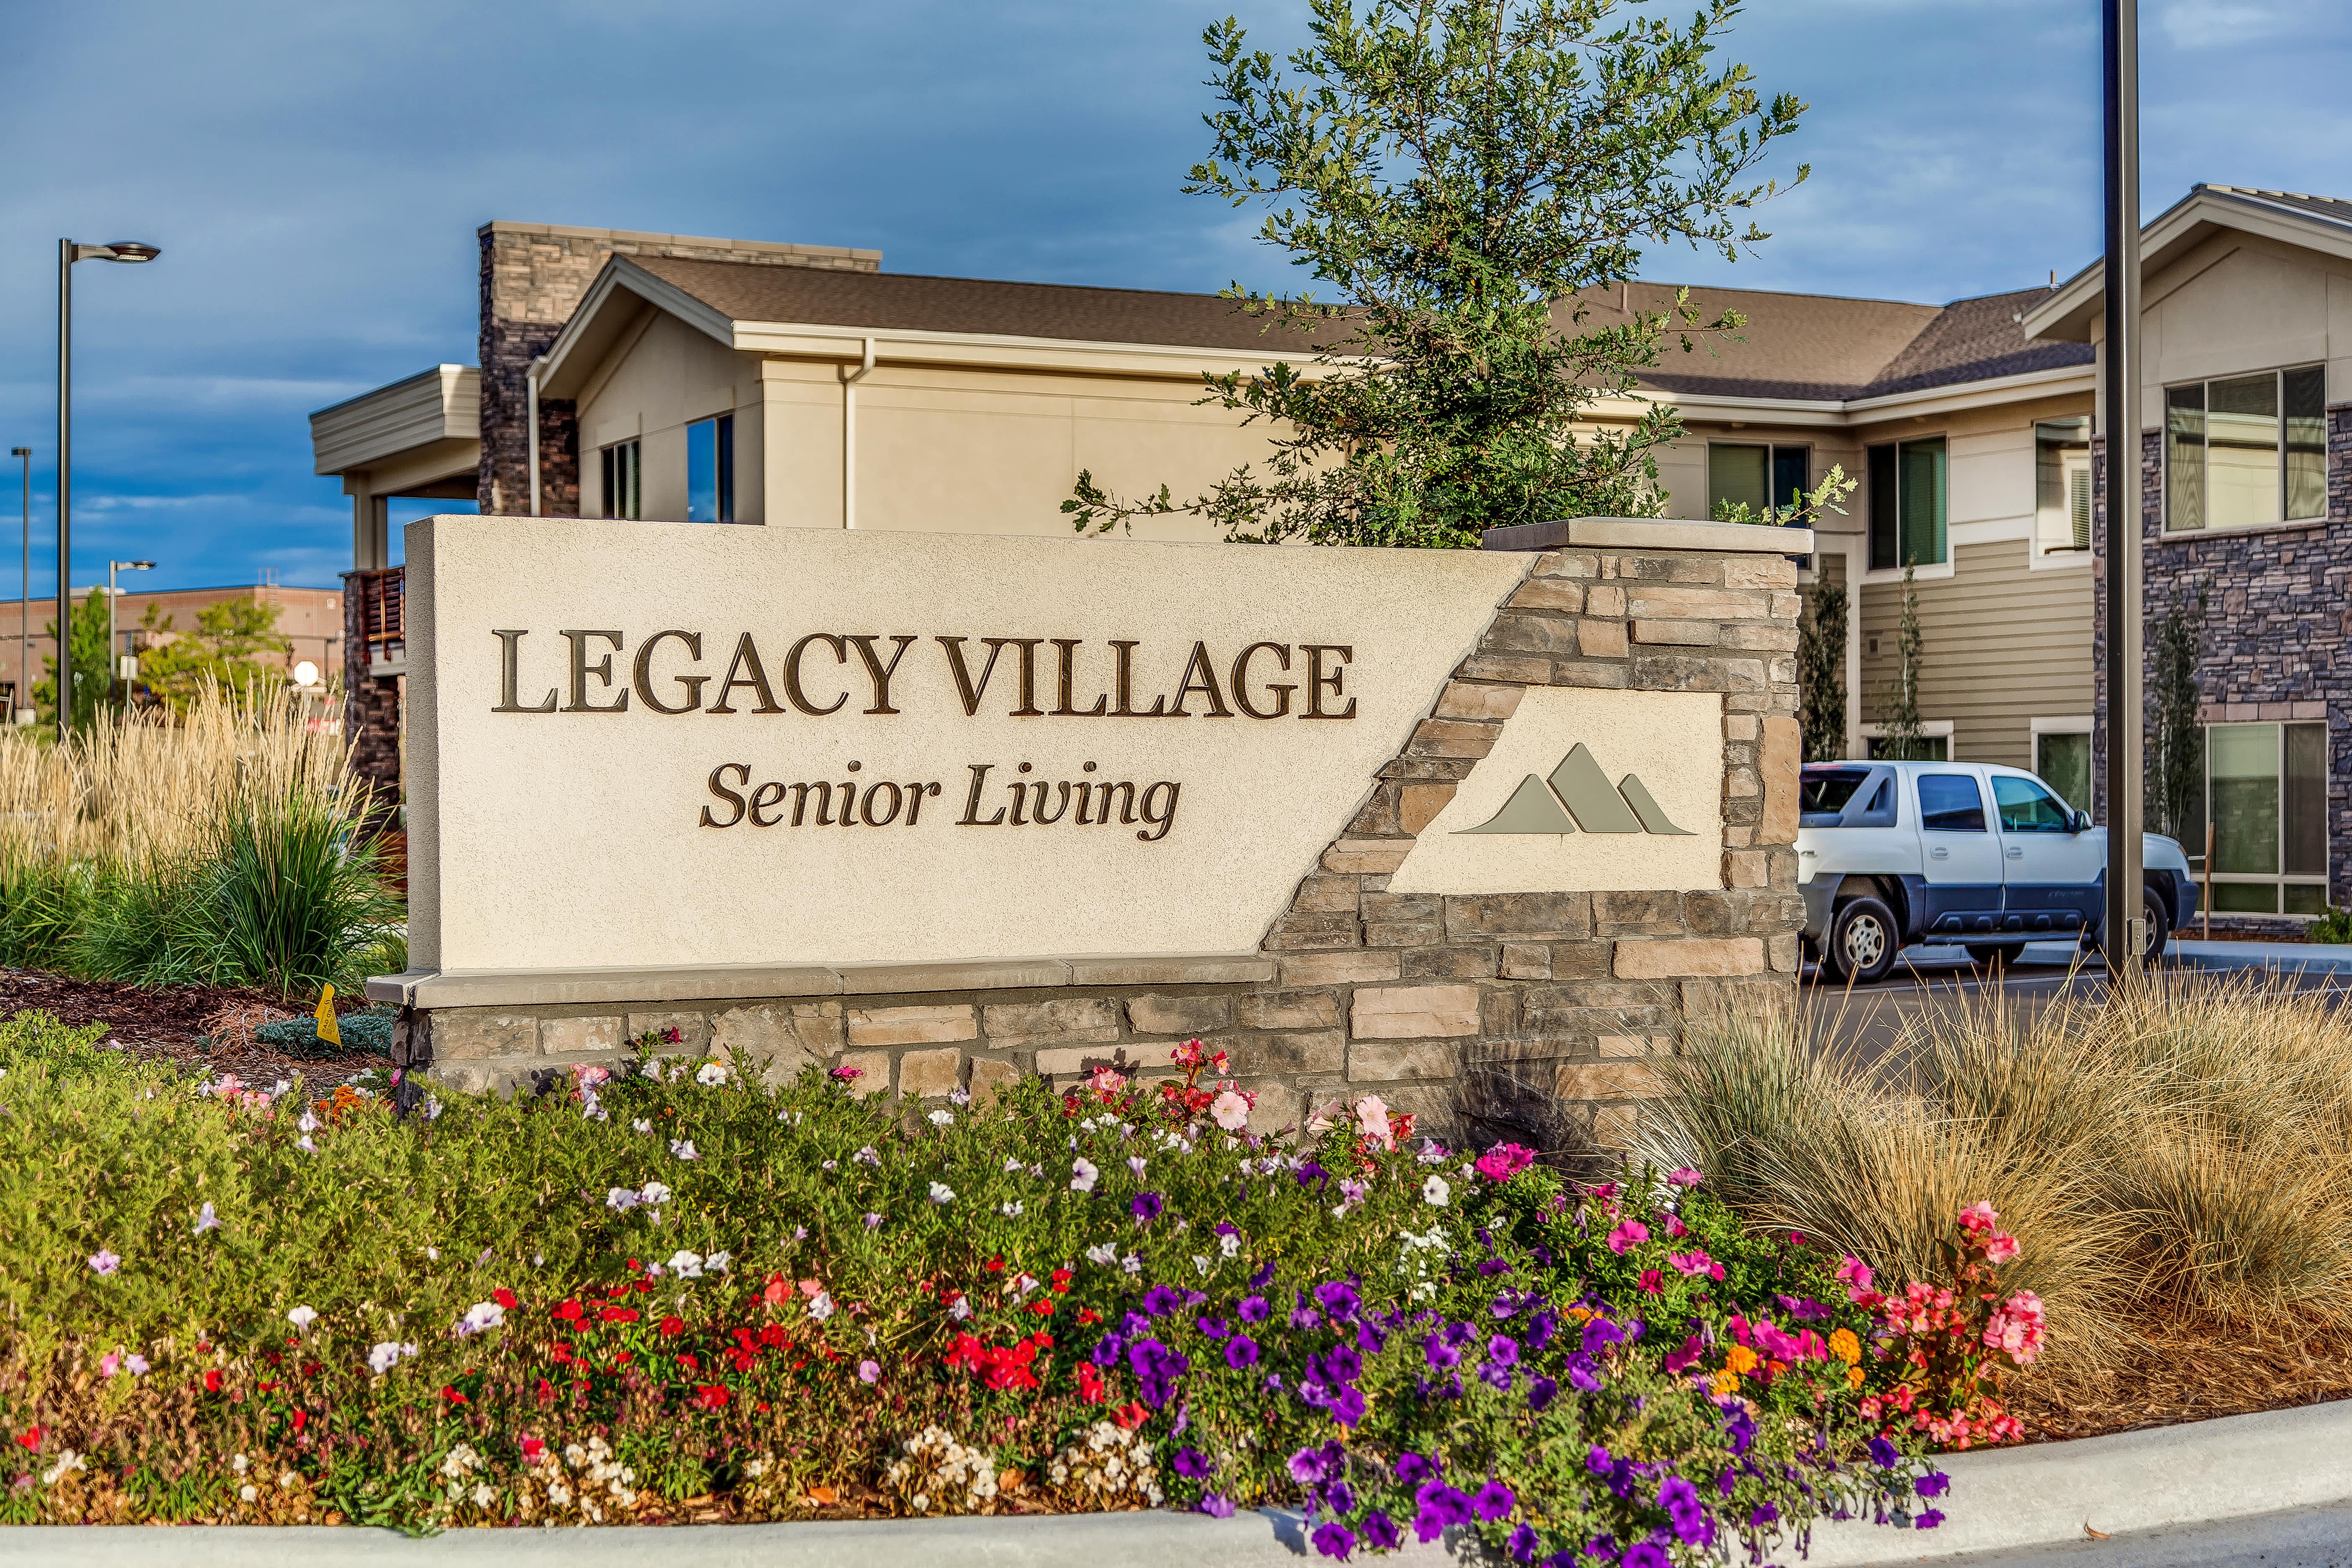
<point>306,674</point>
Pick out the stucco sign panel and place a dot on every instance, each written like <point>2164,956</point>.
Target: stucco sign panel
<point>656,744</point>
<point>1606,791</point>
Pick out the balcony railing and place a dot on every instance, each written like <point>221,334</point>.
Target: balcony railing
<point>380,599</point>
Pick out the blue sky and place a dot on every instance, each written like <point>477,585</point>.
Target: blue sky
<point>315,171</point>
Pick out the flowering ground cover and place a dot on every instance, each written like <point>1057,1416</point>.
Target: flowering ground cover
<point>668,1293</point>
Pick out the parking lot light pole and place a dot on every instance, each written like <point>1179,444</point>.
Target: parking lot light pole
<point>113,654</point>
<point>69,252</point>
<point>20,700</point>
<point>2120,383</point>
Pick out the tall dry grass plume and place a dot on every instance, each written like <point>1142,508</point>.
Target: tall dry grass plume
<point>2176,1160</point>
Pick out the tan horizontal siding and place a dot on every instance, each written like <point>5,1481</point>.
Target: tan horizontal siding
<point>2003,644</point>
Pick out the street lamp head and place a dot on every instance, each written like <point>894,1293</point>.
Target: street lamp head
<point>130,250</point>
<point>134,565</point>
<point>20,451</point>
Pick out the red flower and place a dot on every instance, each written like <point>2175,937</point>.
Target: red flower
<point>569,1312</point>
<point>546,1390</point>
<point>302,1418</point>
<point>1090,1383</point>
<point>645,1287</point>
<point>1088,1315</point>
<point>533,1450</point>
<point>996,1265</point>
<point>711,1396</point>
<point>1130,1416</point>
<point>689,1362</point>
<point>619,1314</point>
<point>448,1393</point>
<point>776,1292</point>
<point>211,1379</point>
<point>673,1324</point>
<point>505,1297</point>
<point>773,1334</point>
<point>1061,1283</point>
<point>32,1439</point>
<point>964,1353</point>
<point>1042,1307</point>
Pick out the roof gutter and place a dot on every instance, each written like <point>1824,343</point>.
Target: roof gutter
<point>849,380</point>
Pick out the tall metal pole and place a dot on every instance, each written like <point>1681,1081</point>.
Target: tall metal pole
<point>65,488</point>
<point>22,698</point>
<point>2125,932</point>
<point>111,666</point>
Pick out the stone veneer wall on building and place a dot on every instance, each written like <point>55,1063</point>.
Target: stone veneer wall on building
<point>2277,627</point>
<point>533,276</point>
<point>1538,1015</point>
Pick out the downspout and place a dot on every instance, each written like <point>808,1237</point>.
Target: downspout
<point>531,379</point>
<point>849,436</point>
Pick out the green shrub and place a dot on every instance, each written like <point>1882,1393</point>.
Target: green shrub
<point>2334,926</point>
<point>425,1309</point>
<point>363,1033</point>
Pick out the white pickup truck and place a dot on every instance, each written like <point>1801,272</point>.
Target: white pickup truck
<point>1889,854</point>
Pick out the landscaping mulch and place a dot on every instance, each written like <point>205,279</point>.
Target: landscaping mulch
<point>168,1022</point>
<point>2189,1372</point>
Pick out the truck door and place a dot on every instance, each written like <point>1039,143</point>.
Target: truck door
<point>2053,874</point>
<point>1959,856</point>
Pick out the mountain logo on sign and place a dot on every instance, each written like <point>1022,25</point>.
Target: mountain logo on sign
<point>1579,796</point>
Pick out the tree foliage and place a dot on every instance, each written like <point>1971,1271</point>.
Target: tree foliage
<point>229,646</point>
<point>1902,738</point>
<point>1821,672</point>
<point>93,662</point>
<point>1455,171</point>
<point>2175,741</point>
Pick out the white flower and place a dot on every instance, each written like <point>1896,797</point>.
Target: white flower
<point>1372,1120</point>
<point>304,1143</point>
<point>655,1193</point>
<point>432,1108</point>
<point>717,1262</point>
<point>206,1219</point>
<point>942,1118</point>
<point>308,1124</point>
<point>302,1317</point>
<point>1231,1111</point>
<point>640,1125</point>
<point>1200,1264</point>
<point>654,1270</point>
<point>683,1148</point>
<point>867,1156</point>
<point>1082,1175</point>
<point>558,1493</point>
<point>711,1075</point>
<point>1131,1263</point>
<point>942,1193</point>
<point>1105,1255</point>
<point>1435,1190</point>
<point>622,1199</point>
<point>1135,1164</point>
<point>484,1494</point>
<point>958,1095</point>
<point>822,1307</point>
<point>385,1357</point>
<point>433,1253</point>
<point>1009,1210</point>
<point>1231,1245</point>
<point>481,1315</point>
<point>960,1309</point>
<point>237,1463</point>
<point>653,1068</point>
<point>247,1493</point>
<point>686,1265</point>
<point>1012,1165</point>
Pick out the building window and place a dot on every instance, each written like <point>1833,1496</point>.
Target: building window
<point>1908,504</point>
<point>2245,451</point>
<point>2266,797</point>
<point>1756,476</point>
<point>2062,758</point>
<point>622,491</point>
<point>2061,472</point>
<point>710,470</point>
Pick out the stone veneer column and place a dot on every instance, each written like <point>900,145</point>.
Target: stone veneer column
<point>532,277</point>
<point>371,715</point>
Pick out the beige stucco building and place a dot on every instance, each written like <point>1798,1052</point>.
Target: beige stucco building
<point>701,379</point>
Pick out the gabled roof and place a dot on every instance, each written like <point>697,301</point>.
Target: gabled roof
<point>2318,223</point>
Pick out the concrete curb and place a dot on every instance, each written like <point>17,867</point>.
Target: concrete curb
<point>2227,1468</point>
<point>2224,1468</point>
<point>2278,957</point>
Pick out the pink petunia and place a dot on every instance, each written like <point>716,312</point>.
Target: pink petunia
<point>1693,1262</point>
<point>1999,1247</point>
<point>1628,1234</point>
<point>1855,1272</point>
<point>1505,1160</point>
<point>1653,1282</point>
<point>1683,1176</point>
<point>1978,1216</point>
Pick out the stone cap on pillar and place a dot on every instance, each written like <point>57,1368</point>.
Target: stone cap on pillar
<point>1649,534</point>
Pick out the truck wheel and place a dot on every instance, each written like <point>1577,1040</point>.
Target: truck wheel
<point>1863,940</point>
<point>2159,930</point>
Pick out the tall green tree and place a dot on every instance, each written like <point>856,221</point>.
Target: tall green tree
<point>1455,171</point>
<point>2175,741</point>
<point>233,645</point>
<point>93,666</point>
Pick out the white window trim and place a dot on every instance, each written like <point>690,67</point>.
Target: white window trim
<point>1929,728</point>
<point>2080,724</point>
<point>1936,573</point>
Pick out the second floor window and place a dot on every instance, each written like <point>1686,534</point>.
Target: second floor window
<point>710,470</point>
<point>2061,472</point>
<point>1908,504</point>
<point>2245,451</point>
<point>622,497</point>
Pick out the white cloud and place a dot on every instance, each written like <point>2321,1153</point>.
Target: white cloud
<point>2225,24</point>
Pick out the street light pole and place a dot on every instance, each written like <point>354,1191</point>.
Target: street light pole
<point>69,252</point>
<point>2125,929</point>
<point>21,699</point>
<point>113,654</point>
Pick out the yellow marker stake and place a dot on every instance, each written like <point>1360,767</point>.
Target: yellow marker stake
<point>326,1017</point>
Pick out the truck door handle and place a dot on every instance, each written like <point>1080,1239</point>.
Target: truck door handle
<point>2017,851</point>
<point>1939,853</point>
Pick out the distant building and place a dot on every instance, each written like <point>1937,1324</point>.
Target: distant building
<point>309,618</point>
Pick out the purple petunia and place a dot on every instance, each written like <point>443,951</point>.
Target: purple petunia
<point>1600,1333</point>
<point>1335,1540</point>
<point>1540,1392</point>
<point>1934,1483</point>
<point>1348,1406</point>
<point>1217,1506</point>
<point>1156,1369</point>
<point>1441,1506</point>
<point>1189,1464</point>
<point>1680,1500</point>
<point>1340,1498</point>
<point>1497,1376</point>
<point>1883,1453</point>
<point>1580,1373</point>
<point>1540,1328</point>
<point>1338,1298</point>
<point>1160,1299</point>
<point>1307,1467</point>
<point>1303,1316</point>
<point>1439,1354</point>
<point>1413,1469</point>
<point>1930,1518</point>
<point>1145,1208</point>
<point>1503,1349</point>
<point>1381,1531</point>
<point>1524,1543</point>
<point>1599,1460</point>
<point>1215,1327</point>
<point>1644,1554</point>
<point>1762,1514</point>
<point>1241,1352</point>
<point>1254,1310</point>
<point>1494,1500</point>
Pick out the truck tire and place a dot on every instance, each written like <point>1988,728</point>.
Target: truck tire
<point>1864,940</point>
<point>2159,930</point>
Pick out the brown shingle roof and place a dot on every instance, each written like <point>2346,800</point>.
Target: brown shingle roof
<point>1808,346</point>
<point>883,301</point>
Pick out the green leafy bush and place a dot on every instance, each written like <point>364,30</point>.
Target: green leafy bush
<point>631,1291</point>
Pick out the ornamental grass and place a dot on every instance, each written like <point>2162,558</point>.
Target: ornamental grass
<point>220,848</point>
<point>2176,1159</point>
<point>671,1293</point>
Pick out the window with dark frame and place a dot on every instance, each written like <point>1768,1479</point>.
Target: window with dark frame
<point>2062,474</point>
<point>710,470</point>
<point>2245,451</point>
<point>2266,797</point>
<point>622,492</point>
<point>1909,503</point>
<point>1757,475</point>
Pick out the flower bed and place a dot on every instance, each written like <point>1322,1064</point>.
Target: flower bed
<point>670,1294</point>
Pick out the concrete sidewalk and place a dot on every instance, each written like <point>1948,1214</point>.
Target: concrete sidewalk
<point>2053,958</point>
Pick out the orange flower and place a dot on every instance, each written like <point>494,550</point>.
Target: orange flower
<point>1739,1360</point>
<point>1845,1347</point>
